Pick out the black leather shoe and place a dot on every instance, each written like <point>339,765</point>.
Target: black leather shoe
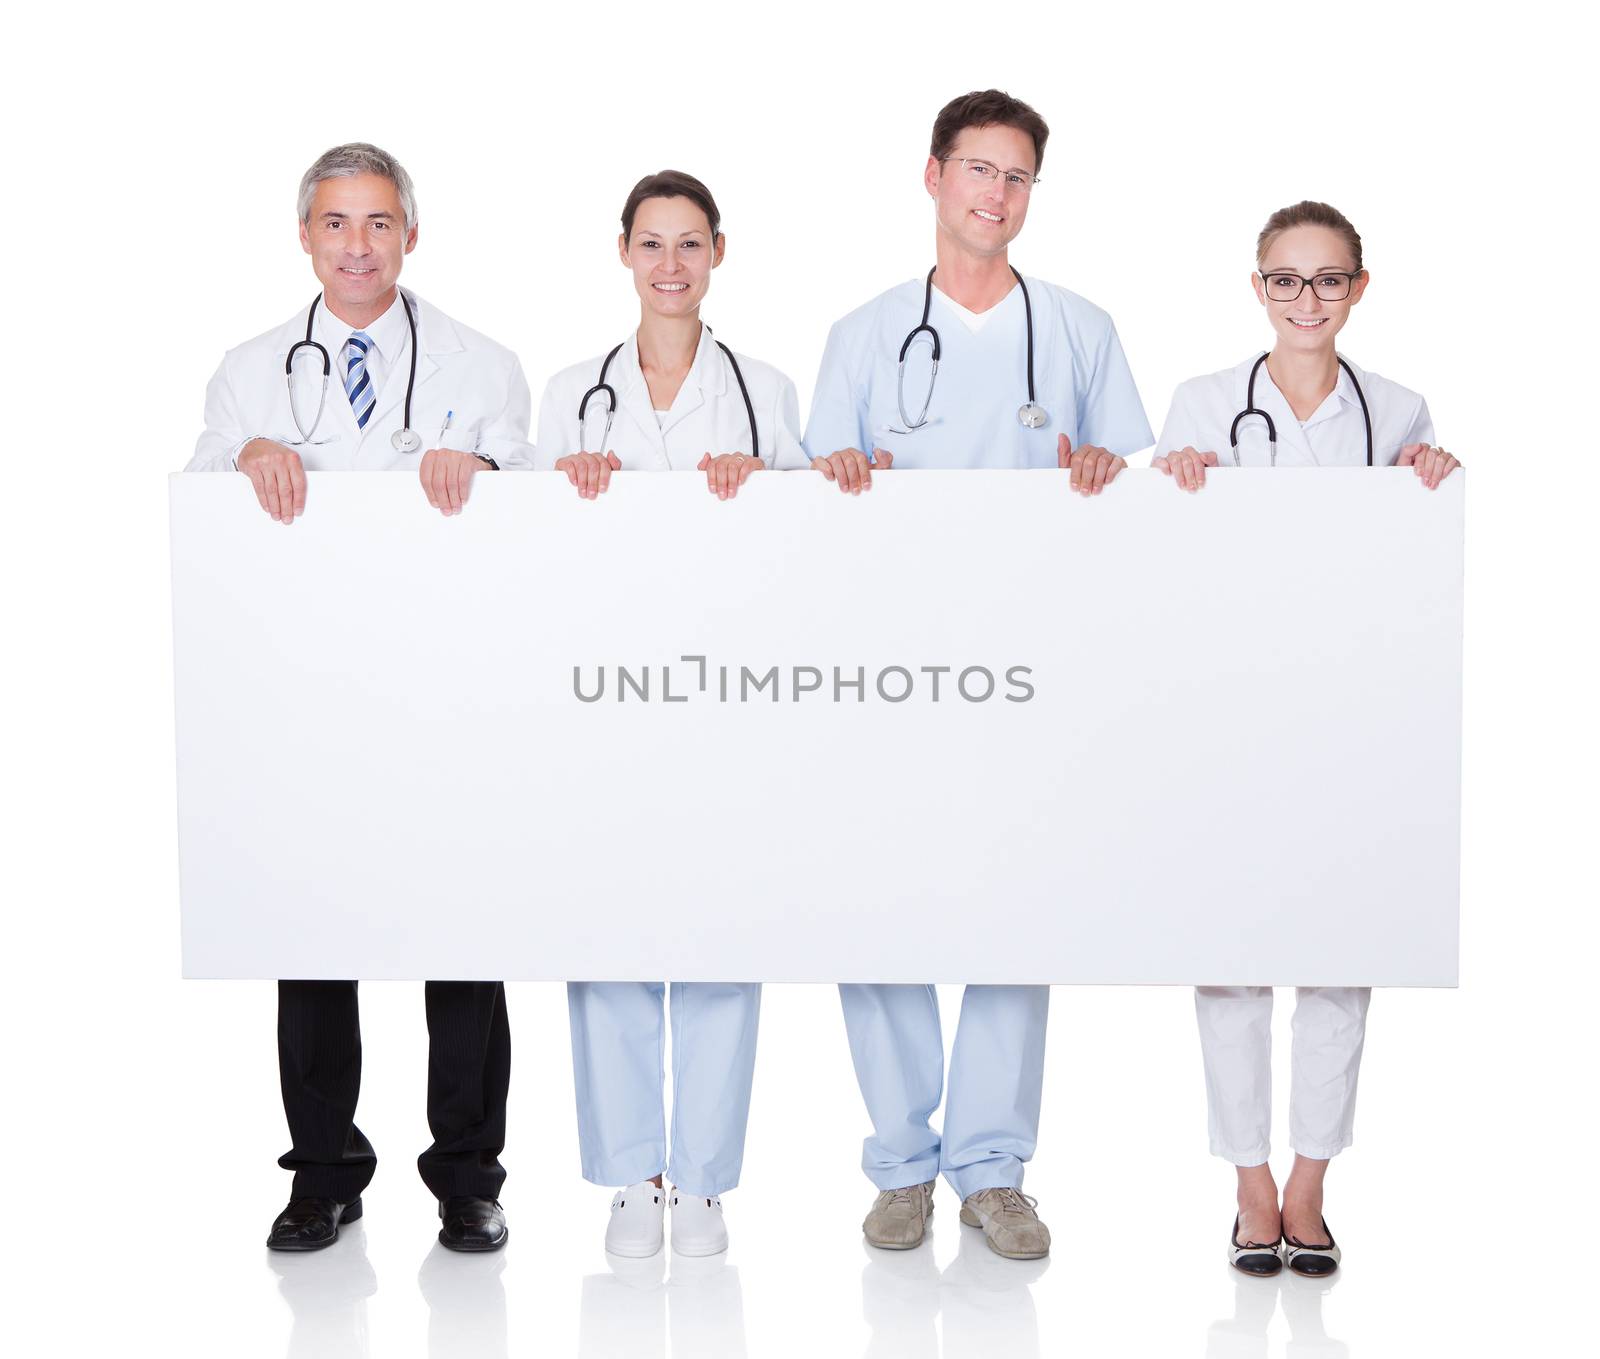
<point>1260,1258</point>
<point>472,1224</point>
<point>311,1224</point>
<point>1314,1261</point>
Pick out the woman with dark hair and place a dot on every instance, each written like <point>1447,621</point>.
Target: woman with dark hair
<point>1301,405</point>
<point>670,398</point>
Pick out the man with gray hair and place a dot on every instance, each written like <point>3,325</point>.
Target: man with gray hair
<point>403,371</point>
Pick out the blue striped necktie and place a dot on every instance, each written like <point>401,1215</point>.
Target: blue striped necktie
<point>357,381</point>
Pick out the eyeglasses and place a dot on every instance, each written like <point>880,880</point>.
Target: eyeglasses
<point>986,173</point>
<point>1329,287</point>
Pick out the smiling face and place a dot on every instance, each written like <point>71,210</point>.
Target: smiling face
<point>982,216</point>
<point>356,236</point>
<point>671,254</point>
<point>1308,323</point>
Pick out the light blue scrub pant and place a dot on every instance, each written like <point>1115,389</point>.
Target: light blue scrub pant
<point>617,1072</point>
<point>991,1113</point>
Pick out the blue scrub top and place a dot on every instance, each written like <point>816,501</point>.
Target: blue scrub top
<point>1081,379</point>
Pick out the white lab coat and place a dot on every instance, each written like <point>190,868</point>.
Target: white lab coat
<point>707,416</point>
<point>1081,379</point>
<point>1203,409</point>
<point>1330,1022</point>
<point>458,370</point>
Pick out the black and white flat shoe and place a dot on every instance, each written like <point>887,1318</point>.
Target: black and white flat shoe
<point>1252,1257</point>
<point>1313,1261</point>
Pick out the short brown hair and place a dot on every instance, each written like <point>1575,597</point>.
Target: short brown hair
<point>670,184</point>
<point>1308,213</point>
<point>987,108</point>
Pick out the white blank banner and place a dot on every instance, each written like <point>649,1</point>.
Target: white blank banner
<point>1222,743</point>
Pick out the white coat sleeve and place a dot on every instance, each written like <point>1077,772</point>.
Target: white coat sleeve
<point>838,405</point>
<point>1419,430</point>
<point>505,435</point>
<point>552,439</point>
<point>787,454</point>
<point>1110,413</point>
<point>224,434</point>
<point>1182,427</point>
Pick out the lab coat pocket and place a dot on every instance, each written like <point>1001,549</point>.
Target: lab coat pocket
<point>463,438</point>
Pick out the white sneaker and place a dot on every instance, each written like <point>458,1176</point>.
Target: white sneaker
<point>635,1229</point>
<point>697,1225</point>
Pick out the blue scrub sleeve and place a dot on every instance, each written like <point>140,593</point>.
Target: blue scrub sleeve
<point>1110,413</point>
<point>838,404</point>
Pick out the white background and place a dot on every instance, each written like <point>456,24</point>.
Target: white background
<point>152,155</point>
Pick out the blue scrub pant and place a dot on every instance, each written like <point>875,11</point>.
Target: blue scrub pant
<point>991,1113</point>
<point>617,1072</point>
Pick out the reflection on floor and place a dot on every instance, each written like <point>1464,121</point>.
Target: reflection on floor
<point>1244,1334</point>
<point>984,1302</point>
<point>672,1306</point>
<point>668,1304</point>
<point>466,1303</point>
<point>327,1292</point>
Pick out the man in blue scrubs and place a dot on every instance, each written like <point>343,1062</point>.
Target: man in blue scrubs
<point>1029,375</point>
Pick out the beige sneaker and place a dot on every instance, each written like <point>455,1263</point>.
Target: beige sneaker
<point>899,1217</point>
<point>1009,1223</point>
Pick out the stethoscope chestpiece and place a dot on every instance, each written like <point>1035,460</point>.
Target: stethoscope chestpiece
<point>405,439</point>
<point>1031,415</point>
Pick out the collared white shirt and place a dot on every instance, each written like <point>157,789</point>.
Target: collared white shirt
<point>708,415</point>
<point>390,349</point>
<point>1203,410</point>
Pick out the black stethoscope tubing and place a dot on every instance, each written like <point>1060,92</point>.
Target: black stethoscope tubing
<point>1030,415</point>
<point>403,439</point>
<point>1250,408</point>
<point>605,389</point>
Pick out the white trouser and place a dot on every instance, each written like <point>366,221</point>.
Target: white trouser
<point>617,1075</point>
<point>1330,1024</point>
<point>991,1113</point>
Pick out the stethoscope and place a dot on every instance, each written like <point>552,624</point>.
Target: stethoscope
<point>1272,430</point>
<point>605,389</point>
<point>405,439</point>
<point>1032,414</point>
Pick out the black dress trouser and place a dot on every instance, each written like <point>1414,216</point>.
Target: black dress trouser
<point>469,1075</point>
